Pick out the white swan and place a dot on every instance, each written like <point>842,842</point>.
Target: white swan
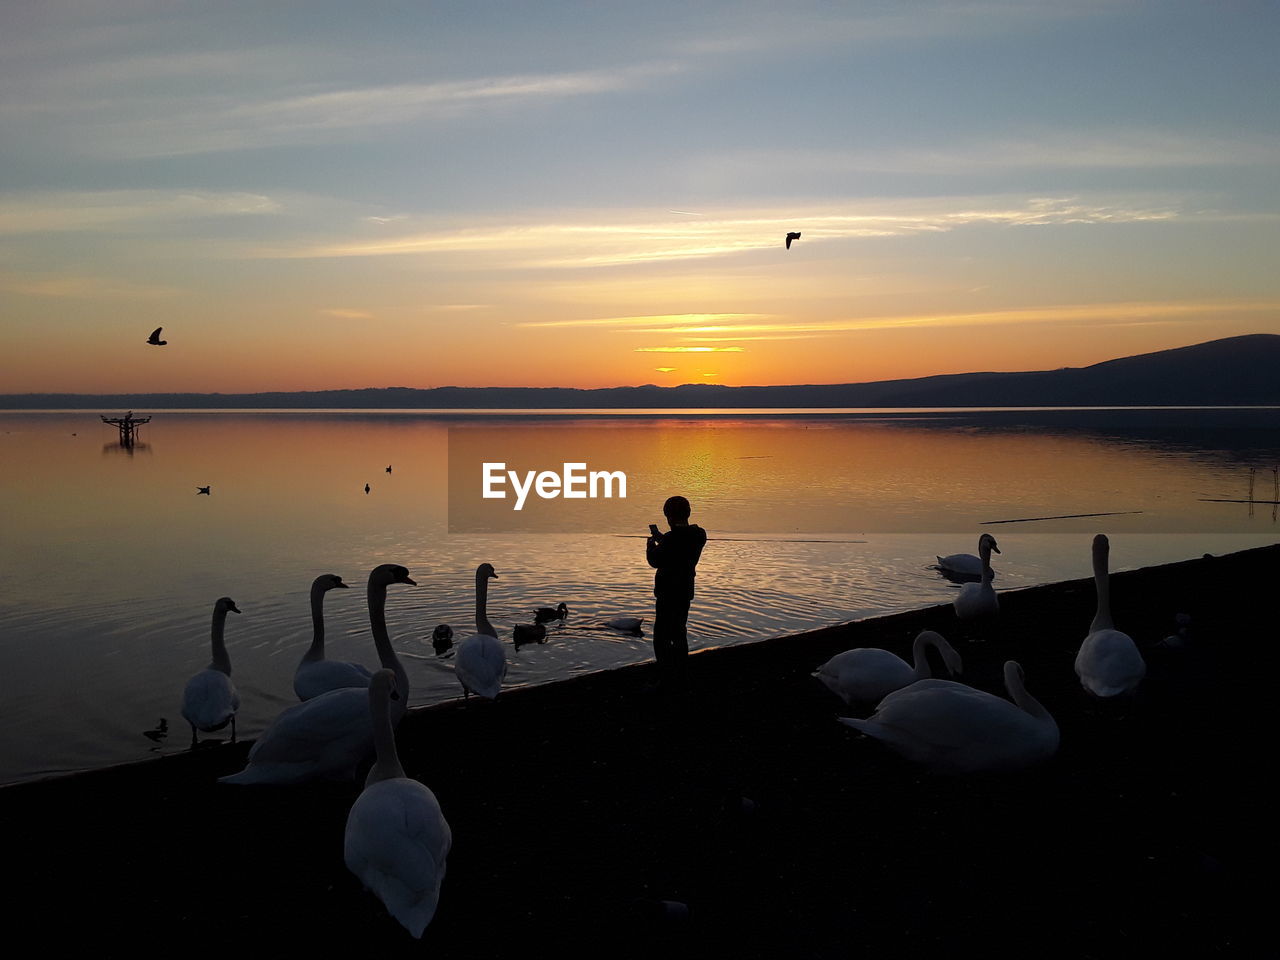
<point>1108,663</point>
<point>951,728</point>
<point>481,662</point>
<point>397,838</point>
<point>210,700</point>
<point>328,737</point>
<point>978,600</point>
<point>868,674</point>
<point>965,564</point>
<point>316,675</point>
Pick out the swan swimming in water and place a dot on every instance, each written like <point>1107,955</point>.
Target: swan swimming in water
<point>951,728</point>
<point>316,675</point>
<point>480,662</point>
<point>210,700</point>
<point>965,565</point>
<point>328,737</point>
<point>1108,663</point>
<point>396,838</point>
<point>868,674</point>
<point>978,600</point>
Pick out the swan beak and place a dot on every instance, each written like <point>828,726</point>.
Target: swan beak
<point>409,580</point>
<point>341,584</point>
<point>994,548</point>
<point>494,576</point>
<point>233,608</point>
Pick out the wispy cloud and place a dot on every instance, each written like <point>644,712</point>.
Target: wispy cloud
<point>83,288</point>
<point>116,121</point>
<point>1108,313</point>
<point>670,319</point>
<point>113,209</point>
<point>633,237</point>
<point>344,313</point>
<point>689,349</point>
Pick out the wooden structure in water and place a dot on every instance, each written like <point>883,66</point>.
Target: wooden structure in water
<point>127,425</point>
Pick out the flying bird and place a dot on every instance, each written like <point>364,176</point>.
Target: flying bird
<point>790,237</point>
<point>154,339</point>
<point>366,488</point>
<point>388,468</point>
<point>204,490</point>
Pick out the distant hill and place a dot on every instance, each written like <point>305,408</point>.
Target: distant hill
<point>1233,371</point>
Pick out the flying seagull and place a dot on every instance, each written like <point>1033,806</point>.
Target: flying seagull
<point>790,237</point>
<point>388,468</point>
<point>204,490</point>
<point>154,339</point>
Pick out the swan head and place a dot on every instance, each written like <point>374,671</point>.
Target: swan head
<point>988,541</point>
<point>442,632</point>
<point>1101,545</point>
<point>486,572</point>
<point>388,573</point>
<point>328,581</point>
<point>225,605</point>
<point>382,687</point>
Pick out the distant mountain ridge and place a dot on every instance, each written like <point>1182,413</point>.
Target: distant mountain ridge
<point>1234,371</point>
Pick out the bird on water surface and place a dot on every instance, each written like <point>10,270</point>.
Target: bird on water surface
<point>154,339</point>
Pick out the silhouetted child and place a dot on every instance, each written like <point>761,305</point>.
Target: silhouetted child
<point>675,556</point>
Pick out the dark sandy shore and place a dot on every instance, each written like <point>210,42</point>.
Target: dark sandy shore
<point>572,801</point>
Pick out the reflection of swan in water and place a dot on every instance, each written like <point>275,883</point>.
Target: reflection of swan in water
<point>397,838</point>
<point>546,614</point>
<point>951,728</point>
<point>316,675</point>
<point>633,625</point>
<point>330,736</point>
<point>965,566</point>
<point>210,700</point>
<point>160,731</point>
<point>978,600</point>
<point>868,674</point>
<point>1108,663</point>
<point>481,663</point>
<point>442,638</point>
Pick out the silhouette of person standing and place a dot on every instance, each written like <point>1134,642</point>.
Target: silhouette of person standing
<point>674,555</point>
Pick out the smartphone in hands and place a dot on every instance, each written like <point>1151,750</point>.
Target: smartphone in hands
<point>654,531</point>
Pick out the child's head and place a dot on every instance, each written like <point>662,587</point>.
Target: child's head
<point>676,509</point>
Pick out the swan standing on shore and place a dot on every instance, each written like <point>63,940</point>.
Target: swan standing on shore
<point>330,736</point>
<point>965,564</point>
<point>316,675</point>
<point>978,600</point>
<point>481,662</point>
<point>210,700</point>
<point>868,674</point>
<point>397,838</point>
<point>951,728</point>
<point>1108,663</point>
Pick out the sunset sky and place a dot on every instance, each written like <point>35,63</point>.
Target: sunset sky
<point>327,195</point>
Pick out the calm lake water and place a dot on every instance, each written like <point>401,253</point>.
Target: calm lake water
<point>111,562</point>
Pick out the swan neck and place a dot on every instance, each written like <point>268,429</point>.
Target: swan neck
<point>1029,704</point>
<point>920,656</point>
<point>221,661</point>
<point>387,766</point>
<point>382,641</point>
<point>984,553</point>
<point>1102,584</point>
<point>316,650</point>
<point>482,607</point>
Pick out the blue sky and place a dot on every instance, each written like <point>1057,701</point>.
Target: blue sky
<point>326,195</point>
